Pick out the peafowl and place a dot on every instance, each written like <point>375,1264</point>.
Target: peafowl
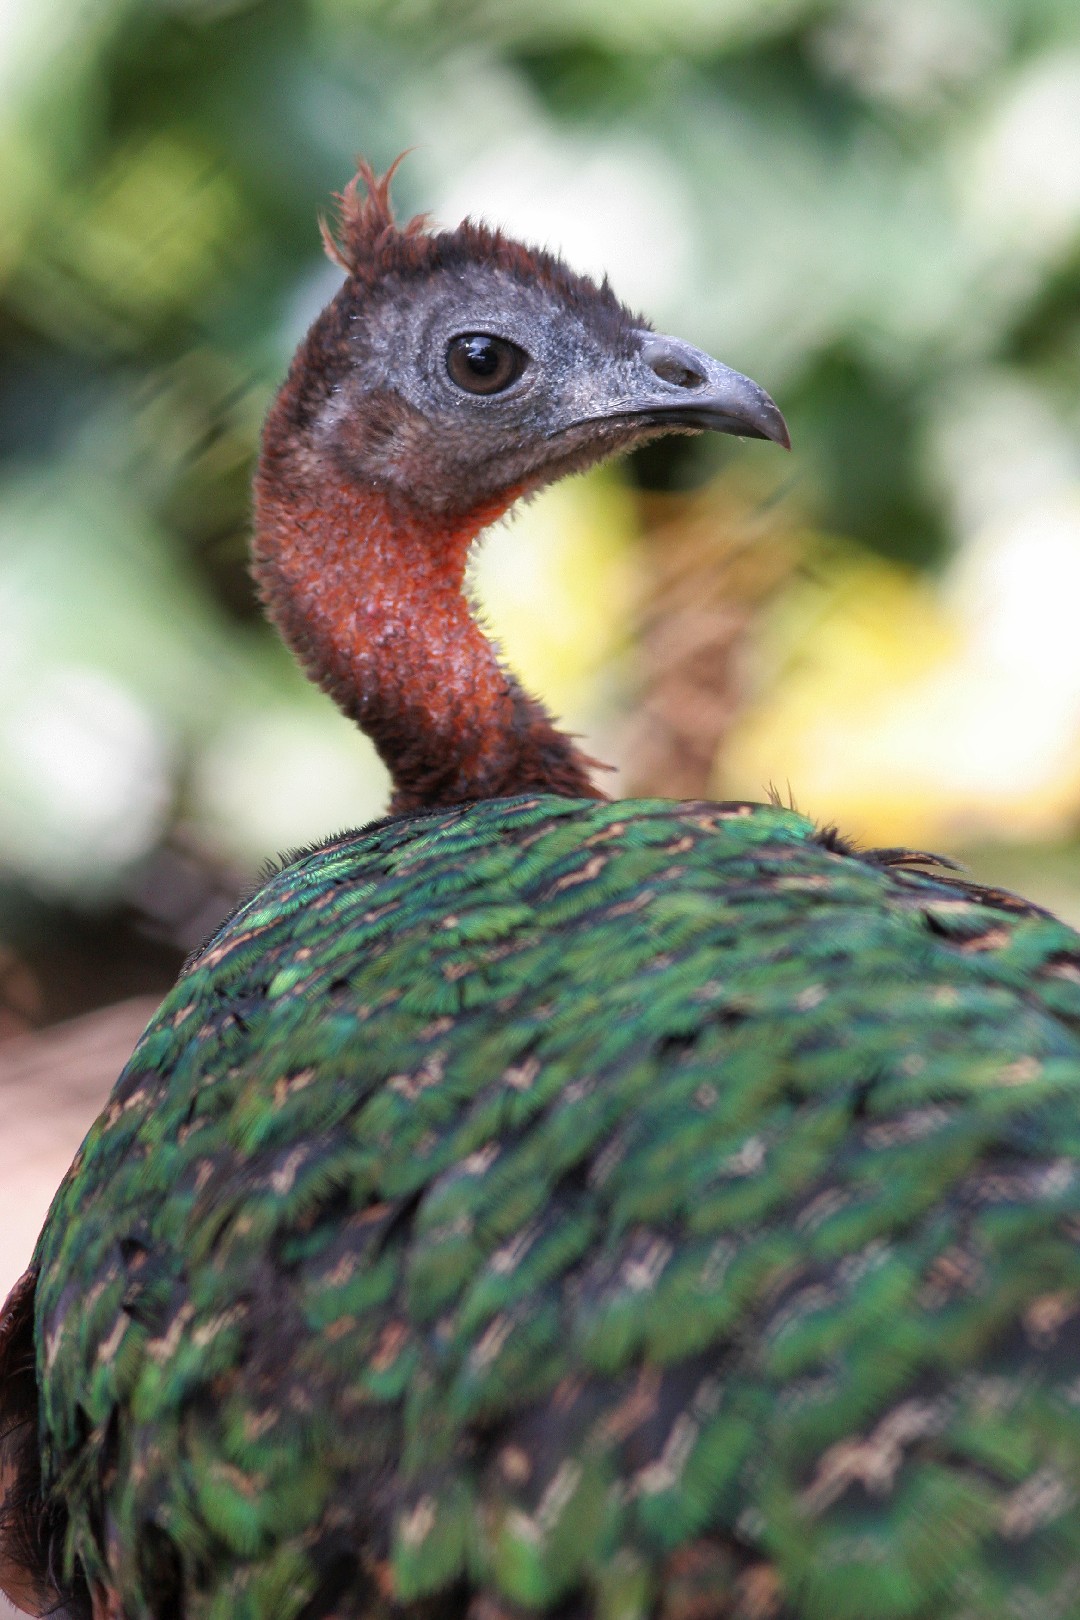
<point>538,1205</point>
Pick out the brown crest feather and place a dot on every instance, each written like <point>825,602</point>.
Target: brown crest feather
<point>364,219</point>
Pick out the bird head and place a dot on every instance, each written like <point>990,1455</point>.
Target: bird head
<point>453,368</point>
<point>451,373</point>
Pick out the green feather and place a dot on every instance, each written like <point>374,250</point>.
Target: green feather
<point>635,1203</point>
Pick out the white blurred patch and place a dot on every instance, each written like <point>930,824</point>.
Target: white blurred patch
<point>995,732</point>
<point>996,447</point>
<point>276,779</point>
<point>33,36</point>
<point>615,207</point>
<point>85,777</point>
<point>912,53</point>
<point>1022,601</point>
<point>1011,472</point>
<point>1023,173</point>
<point>1016,591</point>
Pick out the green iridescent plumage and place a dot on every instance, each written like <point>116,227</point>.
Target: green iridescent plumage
<point>613,1208</point>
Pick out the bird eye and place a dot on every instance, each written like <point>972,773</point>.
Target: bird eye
<point>482,364</point>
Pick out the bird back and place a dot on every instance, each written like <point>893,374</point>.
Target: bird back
<point>607,1209</point>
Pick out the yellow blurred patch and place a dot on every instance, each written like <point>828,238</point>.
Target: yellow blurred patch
<point>831,659</point>
<point>555,586</point>
<point>142,245</point>
<point>913,713</point>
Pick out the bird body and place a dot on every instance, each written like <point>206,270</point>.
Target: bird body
<point>537,1204</point>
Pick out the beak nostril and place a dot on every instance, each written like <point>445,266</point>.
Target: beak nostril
<point>671,363</point>
<point>670,370</point>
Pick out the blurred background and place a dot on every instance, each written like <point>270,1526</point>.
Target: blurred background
<point>871,206</point>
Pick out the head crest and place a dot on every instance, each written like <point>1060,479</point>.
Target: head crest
<point>365,230</point>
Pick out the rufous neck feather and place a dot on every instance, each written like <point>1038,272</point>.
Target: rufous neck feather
<point>369,594</point>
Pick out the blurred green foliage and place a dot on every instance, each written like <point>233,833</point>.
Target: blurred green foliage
<point>869,204</point>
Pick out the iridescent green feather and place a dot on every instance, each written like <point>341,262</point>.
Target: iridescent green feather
<point>618,1204</point>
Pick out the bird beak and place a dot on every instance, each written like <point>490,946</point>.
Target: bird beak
<point>684,387</point>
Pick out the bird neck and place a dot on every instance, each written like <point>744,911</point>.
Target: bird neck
<point>369,593</point>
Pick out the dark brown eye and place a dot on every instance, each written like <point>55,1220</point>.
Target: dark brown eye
<point>484,365</point>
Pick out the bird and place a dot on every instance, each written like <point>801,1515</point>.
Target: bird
<point>537,1204</point>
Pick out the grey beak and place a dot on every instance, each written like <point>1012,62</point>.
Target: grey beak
<point>691,389</point>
